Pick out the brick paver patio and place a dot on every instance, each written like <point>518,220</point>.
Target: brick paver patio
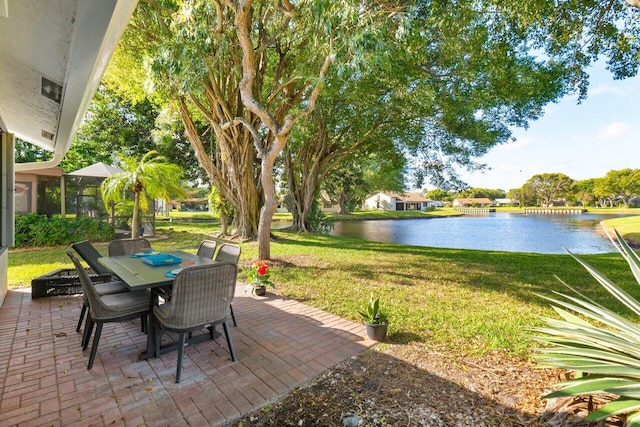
<point>280,344</point>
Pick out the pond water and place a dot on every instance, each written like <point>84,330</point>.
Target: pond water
<point>513,232</point>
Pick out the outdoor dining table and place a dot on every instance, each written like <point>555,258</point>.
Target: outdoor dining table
<point>139,275</point>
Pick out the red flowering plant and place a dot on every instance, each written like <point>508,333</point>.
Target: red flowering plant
<point>259,275</point>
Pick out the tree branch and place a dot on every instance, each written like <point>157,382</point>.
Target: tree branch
<point>288,9</point>
<point>291,120</point>
<point>205,111</point>
<point>243,15</point>
<point>254,133</point>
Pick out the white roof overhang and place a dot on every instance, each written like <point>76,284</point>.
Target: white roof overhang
<point>52,56</point>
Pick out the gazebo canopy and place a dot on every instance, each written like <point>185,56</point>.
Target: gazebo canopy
<point>97,170</point>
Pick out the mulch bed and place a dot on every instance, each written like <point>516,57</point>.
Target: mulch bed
<point>416,385</point>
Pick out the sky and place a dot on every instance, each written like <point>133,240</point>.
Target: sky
<point>582,141</point>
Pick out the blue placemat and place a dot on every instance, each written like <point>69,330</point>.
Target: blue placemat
<point>161,259</point>
<point>173,273</point>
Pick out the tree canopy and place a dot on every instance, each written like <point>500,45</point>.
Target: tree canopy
<point>441,83</point>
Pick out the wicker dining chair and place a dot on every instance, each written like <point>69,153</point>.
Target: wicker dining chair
<point>128,246</point>
<point>201,297</point>
<point>207,248</point>
<point>107,308</point>
<point>229,253</point>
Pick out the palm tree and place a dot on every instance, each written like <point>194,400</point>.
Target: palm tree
<point>150,178</point>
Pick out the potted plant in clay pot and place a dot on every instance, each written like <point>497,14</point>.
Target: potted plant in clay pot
<point>259,278</point>
<point>376,319</point>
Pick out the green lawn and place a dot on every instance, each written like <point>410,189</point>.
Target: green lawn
<point>628,227</point>
<point>472,301</point>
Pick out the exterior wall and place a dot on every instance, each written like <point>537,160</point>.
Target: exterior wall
<point>26,196</point>
<point>4,278</point>
<point>329,207</point>
<point>380,201</point>
<point>7,225</point>
<point>26,193</point>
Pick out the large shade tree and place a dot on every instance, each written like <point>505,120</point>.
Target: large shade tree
<point>358,122</point>
<point>549,187</point>
<point>584,191</point>
<point>622,184</point>
<point>443,87</point>
<point>246,72</point>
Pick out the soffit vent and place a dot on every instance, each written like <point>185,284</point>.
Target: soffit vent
<point>47,135</point>
<point>51,90</point>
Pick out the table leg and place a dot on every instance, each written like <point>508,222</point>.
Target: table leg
<point>151,327</point>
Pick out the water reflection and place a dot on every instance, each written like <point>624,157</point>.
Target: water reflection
<point>513,232</point>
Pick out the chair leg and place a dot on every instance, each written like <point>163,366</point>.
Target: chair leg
<point>88,329</point>
<point>82,313</point>
<point>233,317</point>
<point>229,342</point>
<point>181,341</point>
<point>145,326</point>
<point>94,346</point>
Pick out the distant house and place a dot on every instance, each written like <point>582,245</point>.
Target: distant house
<point>328,205</point>
<point>506,202</point>
<point>35,191</point>
<point>389,201</point>
<point>467,202</point>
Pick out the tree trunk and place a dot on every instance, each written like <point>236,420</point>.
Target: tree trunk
<point>303,185</point>
<point>270,201</point>
<point>342,202</point>
<point>230,170</point>
<point>279,122</point>
<point>135,221</point>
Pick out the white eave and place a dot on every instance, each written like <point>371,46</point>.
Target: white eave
<point>52,56</point>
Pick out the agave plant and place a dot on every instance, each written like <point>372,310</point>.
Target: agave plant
<point>599,344</point>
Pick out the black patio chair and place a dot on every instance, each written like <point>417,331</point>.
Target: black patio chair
<point>90,255</point>
<point>107,308</point>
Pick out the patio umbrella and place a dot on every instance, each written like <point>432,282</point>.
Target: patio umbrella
<point>97,170</point>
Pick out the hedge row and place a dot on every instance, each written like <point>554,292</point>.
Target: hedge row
<point>39,230</point>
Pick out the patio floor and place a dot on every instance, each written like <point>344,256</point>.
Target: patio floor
<point>280,344</point>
